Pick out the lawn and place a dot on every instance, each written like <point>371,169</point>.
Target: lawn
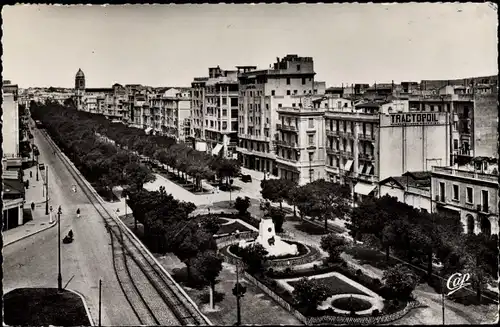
<point>231,228</point>
<point>336,286</point>
<point>43,307</point>
<point>309,228</point>
<point>371,257</point>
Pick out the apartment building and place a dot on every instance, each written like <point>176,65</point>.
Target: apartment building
<point>469,192</point>
<point>170,112</point>
<point>214,111</point>
<point>412,188</point>
<point>263,93</point>
<point>352,136</point>
<point>299,141</point>
<point>10,120</point>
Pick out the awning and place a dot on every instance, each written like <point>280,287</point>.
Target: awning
<point>363,188</point>
<point>216,150</point>
<point>348,165</point>
<point>147,130</point>
<point>450,208</point>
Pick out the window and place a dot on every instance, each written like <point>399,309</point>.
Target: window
<point>484,200</point>
<point>455,144</point>
<point>224,125</point>
<point>287,92</point>
<point>303,81</point>
<point>455,192</point>
<point>298,67</point>
<point>442,192</point>
<point>224,101</point>
<point>311,139</point>
<point>234,102</point>
<point>470,197</point>
<point>279,105</point>
<point>273,92</point>
<point>311,122</point>
<point>293,105</point>
<point>288,81</point>
<point>267,106</point>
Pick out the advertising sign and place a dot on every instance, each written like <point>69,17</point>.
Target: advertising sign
<point>418,118</point>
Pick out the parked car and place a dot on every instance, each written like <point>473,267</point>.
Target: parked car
<point>246,178</point>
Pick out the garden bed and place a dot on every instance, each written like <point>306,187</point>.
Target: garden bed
<point>303,250</point>
<point>336,286</point>
<point>232,227</point>
<point>44,307</point>
<point>351,304</point>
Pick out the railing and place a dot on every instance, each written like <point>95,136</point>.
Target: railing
<point>332,151</point>
<point>466,174</point>
<point>286,144</point>
<point>365,156</point>
<point>332,133</point>
<point>286,127</point>
<point>367,137</point>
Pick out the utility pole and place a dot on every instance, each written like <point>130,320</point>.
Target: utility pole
<point>59,277</point>
<point>100,302</point>
<point>47,190</point>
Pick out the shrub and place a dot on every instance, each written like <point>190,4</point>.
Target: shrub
<point>334,245</point>
<point>375,312</point>
<point>359,272</point>
<point>309,293</point>
<point>288,270</point>
<point>315,267</point>
<point>242,205</point>
<point>377,282</point>
<point>270,271</point>
<point>401,281</point>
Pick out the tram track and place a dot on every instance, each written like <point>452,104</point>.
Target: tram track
<point>152,294</point>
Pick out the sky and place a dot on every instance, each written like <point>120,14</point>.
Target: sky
<point>169,45</point>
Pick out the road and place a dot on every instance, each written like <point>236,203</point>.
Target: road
<point>33,262</point>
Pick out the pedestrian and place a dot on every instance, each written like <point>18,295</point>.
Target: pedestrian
<point>78,213</point>
<point>32,206</point>
<point>31,174</point>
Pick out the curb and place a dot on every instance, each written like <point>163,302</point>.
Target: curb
<point>41,202</point>
<point>84,304</point>
<point>31,234</point>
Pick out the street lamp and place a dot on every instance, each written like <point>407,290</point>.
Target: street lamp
<point>37,168</point>
<point>238,290</point>
<point>47,190</point>
<point>59,277</point>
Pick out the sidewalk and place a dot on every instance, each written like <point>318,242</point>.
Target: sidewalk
<point>39,221</point>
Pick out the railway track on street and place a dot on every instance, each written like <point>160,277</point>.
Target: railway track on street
<point>153,295</point>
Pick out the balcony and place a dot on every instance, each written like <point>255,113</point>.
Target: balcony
<point>366,137</point>
<point>347,154</point>
<point>483,208</point>
<point>332,151</point>
<point>286,144</point>
<point>332,133</point>
<point>365,156</point>
<point>368,178</point>
<point>286,161</point>
<point>465,174</point>
<point>282,127</point>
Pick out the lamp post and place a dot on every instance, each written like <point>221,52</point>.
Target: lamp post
<point>37,168</point>
<point>59,277</point>
<point>238,290</point>
<point>47,190</point>
<point>442,296</point>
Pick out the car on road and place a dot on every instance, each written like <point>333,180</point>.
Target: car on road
<point>246,178</point>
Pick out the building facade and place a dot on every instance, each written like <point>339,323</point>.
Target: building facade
<point>10,120</point>
<point>262,94</point>
<point>469,192</point>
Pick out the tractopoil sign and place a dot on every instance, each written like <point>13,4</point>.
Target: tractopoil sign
<point>457,281</point>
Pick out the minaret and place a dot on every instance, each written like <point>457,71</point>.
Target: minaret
<point>79,89</point>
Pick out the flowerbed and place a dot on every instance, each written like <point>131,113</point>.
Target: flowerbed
<point>336,286</point>
<point>351,304</point>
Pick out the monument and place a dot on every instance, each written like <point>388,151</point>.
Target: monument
<point>271,242</point>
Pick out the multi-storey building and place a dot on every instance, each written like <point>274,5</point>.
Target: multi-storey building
<point>170,112</point>
<point>469,192</point>
<point>262,94</point>
<point>299,142</point>
<point>352,136</point>
<point>10,120</point>
<point>214,110</point>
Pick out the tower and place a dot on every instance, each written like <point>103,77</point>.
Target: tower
<point>79,89</point>
<point>80,80</point>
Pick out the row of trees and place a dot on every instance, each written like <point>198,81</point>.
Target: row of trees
<point>102,163</point>
<point>169,227</point>
<point>180,156</point>
<point>320,199</point>
<point>416,234</point>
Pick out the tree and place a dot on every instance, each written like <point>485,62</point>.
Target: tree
<point>138,174</point>
<point>208,265</point>
<point>277,216</point>
<point>276,190</point>
<point>242,205</point>
<point>400,280</point>
<point>326,200</point>
<point>334,245</point>
<point>254,257</point>
<point>309,293</point>
<point>191,242</point>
